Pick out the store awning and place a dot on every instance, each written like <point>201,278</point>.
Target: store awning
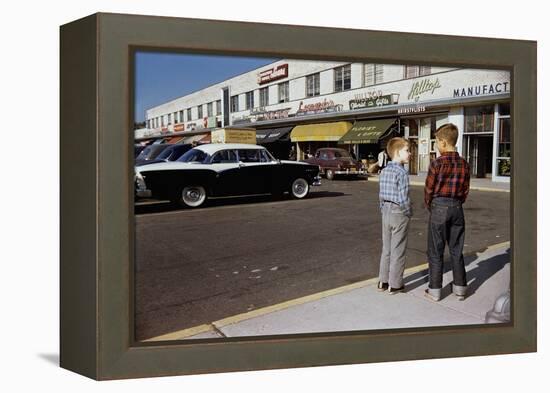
<point>199,138</point>
<point>174,139</point>
<point>273,134</point>
<point>368,131</point>
<point>320,132</point>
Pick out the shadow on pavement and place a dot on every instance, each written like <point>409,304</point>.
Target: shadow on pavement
<point>476,277</point>
<point>165,206</point>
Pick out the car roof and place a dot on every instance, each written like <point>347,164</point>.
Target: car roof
<point>210,148</point>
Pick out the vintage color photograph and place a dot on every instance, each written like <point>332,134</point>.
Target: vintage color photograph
<point>290,196</point>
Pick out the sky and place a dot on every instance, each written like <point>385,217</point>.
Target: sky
<point>162,77</point>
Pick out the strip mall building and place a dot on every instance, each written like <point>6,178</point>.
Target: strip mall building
<point>312,104</point>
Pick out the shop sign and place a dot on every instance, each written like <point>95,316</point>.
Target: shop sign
<point>424,86</point>
<point>233,136</point>
<point>179,127</point>
<point>260,115</point>
<point>360,103</point>
<point>411,109</point>
<point>193,126</point>
<point>324,106</point>
<point>501,87</point>
<point>273,74</point>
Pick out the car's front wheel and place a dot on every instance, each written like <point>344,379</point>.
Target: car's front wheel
<point>299,188</point>
<point>192,196</point>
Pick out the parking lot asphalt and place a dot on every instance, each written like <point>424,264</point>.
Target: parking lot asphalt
<point>235,256</point>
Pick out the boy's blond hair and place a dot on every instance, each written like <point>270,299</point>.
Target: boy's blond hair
<point>396,144</point>
<point>448,132</point>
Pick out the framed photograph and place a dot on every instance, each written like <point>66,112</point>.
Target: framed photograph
<point>256,196</point>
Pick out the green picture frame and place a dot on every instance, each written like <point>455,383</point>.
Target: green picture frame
<point>97,215</point>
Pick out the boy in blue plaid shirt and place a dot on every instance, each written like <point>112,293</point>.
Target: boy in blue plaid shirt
<point>395,205</point>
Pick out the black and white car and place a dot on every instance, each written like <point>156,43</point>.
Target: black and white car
<point>224,170</point>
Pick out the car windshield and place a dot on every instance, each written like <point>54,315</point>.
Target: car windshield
<point>341,154</point>
<point>193,155</point>
<point>144,153</point>
<point>166,153</point>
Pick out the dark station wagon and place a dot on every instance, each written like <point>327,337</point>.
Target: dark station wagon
<point>224,170</point>
<point>334,161</point>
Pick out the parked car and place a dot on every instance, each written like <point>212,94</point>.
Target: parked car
<point>334,161</point>
<point>138,149</point>
<point>170,153</point>
<point>223,170</point>
<point>151,152</point>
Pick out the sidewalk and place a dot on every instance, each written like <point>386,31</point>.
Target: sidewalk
<point>361,307</point>
<point>485,184</point>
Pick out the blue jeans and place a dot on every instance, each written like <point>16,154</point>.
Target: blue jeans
<point>446,226</point>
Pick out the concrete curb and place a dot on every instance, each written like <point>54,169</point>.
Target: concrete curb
<point>474,188</point>
<point>216,326</point>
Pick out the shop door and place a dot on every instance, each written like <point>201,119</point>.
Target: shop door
<point>424,136</point>
<point>413,163</point>
<point>480,155</point>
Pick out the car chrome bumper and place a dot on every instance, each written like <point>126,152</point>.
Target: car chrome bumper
<point>316,181</point>
<point>350,172</point>
<point>143,193</point>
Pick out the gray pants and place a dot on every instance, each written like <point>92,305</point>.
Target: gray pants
<point>395,227</point>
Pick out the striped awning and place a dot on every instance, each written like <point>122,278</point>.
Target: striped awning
<point>199,138</point>
<point>320,132</point>
<point>272,134</point>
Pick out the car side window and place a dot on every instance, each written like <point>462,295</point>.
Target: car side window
<point>325,155</point>
<point>224,157</point>
<point>264,157</point>
<point>249,155</point>
<point>318,154</point>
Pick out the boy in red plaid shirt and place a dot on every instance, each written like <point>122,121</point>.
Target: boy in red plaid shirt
<point>446,189</point>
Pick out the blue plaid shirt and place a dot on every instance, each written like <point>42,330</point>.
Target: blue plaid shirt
<point>394,186</point>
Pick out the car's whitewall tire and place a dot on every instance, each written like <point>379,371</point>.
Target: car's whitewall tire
<point>192,196</point>
<point>299,188</point>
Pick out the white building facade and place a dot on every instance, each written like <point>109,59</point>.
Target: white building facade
<point>310,104</point>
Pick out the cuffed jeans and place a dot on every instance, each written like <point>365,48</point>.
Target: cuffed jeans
<point>395,226</point>
<point>446,226</point>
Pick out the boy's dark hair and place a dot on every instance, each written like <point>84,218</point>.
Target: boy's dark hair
<point>448,132</point>
<point>396,144</point>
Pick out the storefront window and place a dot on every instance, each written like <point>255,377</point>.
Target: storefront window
<point>283,92</point>
<point>374,74</point>
<point>312,85</point>
<point>504,165</point>
<point>412,71</point>
<point>235,104</point>
<point>264,97</point>
<point>342,78</point>
<point>479,119</point>
<point>249,103</point>
<point>210,109</point>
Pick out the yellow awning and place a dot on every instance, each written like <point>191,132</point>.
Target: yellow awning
<point>320,132</point>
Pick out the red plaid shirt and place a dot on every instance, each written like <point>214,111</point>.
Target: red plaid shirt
<point>449,177</point>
